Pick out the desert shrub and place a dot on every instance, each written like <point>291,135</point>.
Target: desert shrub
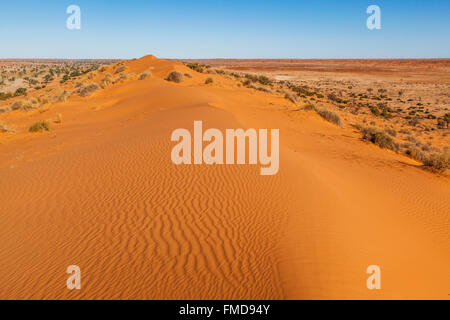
<point>20,92</point>
<point>4,109</point>
<point>39,127</point>
<point>120,69</point>
<point>5,96</point>
<point>17,105</point>
<point>144,76</point>
<point>439,162</point>
<point>375,111</point>
<point>123,77</point>
<point>379,137</point>
<point>196,67</point>
<point>330,116</point>
<point>332,97</point>
<point>391,132</point>
<point>209,80</point>
<point>28,106</point>
<point>5,128</point>
<point>89,89</point>
<point>106,81</point>
<point>188,75</point>
<point>291,97</point>
<point>444,122</point>
<point>415,154</point>
<point>62,96</point>
<point>404,131</point>
<point>262,89</point>
<point>310,107</point>
<point>175,76</point>
<point>413,122</point>
<point>264,80</point>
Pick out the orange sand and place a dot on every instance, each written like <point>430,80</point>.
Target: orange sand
<point>100,191</point>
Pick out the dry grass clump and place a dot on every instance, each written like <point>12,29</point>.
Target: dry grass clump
<point>196,67</point>
<point>145,75</point>
<point>17,105</point>
<point>291,97</point>
<point>416,154</point>
<point>209,80</point>
<point>175,76</point>
<point>26,105</point>
<point>188,75</point>
<point>62,96</point>
<point>123,77</point>
<point>263,89</point>
<point>310,107</point>
<point>379,137</point>
<point>330,116</point>
<point>439,162</point>
<point>89,89</point>
<point>106,81</point>
<point>39,127</point>
<point>4,109</point>
<point>5,129</point>
<point>120,69</point>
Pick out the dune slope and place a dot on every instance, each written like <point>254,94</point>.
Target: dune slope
<point>100,191</point>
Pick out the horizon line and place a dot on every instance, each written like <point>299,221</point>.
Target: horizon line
<point>113,59</point>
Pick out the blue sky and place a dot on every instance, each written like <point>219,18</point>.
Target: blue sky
<point>225,29</point>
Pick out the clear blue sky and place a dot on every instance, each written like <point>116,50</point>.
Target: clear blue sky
<point>228,29</point>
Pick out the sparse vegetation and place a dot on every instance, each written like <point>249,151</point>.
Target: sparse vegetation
<point>330,116</point>
<point>144,76</point>
<point>175,76</point>
<point>5,129</point>
<point>39,127</point>
<point>106,81</point>
<point>197,67</point>
<point>310,107</point>
<point>291,97</point>
<point>439,162</point>
<point>209,80</point>
<point>120,69</point>
<point>17,105</point>
<point>379,137</point>
<point>89,89</point>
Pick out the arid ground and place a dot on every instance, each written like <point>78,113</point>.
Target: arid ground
<point>87,179</point>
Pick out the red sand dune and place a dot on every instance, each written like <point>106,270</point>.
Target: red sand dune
<point>100,191</point>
